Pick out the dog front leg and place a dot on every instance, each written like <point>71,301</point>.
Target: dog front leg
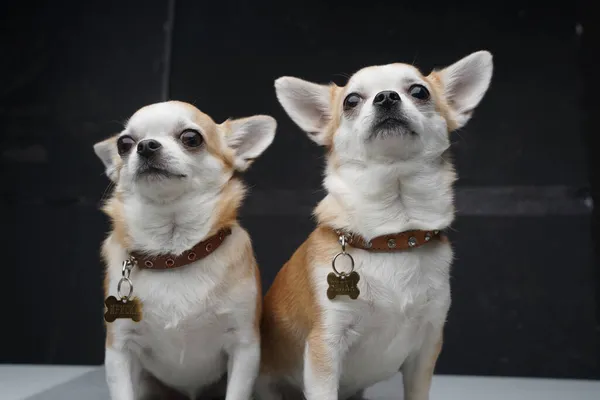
<point>123,374</point>
<point>322,358</point>
<point>417,370</point>
<point>243,365</point>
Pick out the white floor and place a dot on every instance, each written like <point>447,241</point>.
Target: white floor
<point>22,381</point>
<point>34,382</point>
<point>445,387</point>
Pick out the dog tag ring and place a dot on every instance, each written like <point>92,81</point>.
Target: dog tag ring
<point>125,307</point>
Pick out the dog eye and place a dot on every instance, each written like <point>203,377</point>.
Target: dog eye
<point>191,138</point>
<point>419,92</point>
<point>124,144</point>
<point>351,101</point>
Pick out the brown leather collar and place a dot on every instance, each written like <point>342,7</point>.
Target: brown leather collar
<point>393,242</point>
<point>198,252</point>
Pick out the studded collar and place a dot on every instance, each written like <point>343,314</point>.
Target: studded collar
<point>393,242</point>
<point>198,252</point>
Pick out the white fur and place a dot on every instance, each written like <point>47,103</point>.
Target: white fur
<point>198,322</point>
<point>465,83</point>
<point>376,186</point>
<point>189,329</point>
<point>400,313</point>
<point>306,103</point>
<point>250,137</point>
<point>106,152</point>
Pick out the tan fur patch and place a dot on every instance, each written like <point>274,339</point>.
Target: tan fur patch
<point>290,309</point>
<point>114,209</point>
<point>335,101</point>
<point>213,135</point>
<point>243,270</point>
<point>288,315</point>
<point>437,94</point>
<point>230,201</point>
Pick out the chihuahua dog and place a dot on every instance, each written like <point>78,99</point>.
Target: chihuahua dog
<point>367,294</point>
<point>177,251</point>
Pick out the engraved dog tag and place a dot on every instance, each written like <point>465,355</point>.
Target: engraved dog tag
<point>343,285</point>
<point>130,308</point>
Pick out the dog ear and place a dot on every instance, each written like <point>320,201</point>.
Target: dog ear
<point>465,83</point>
<point>308,104</point>
<point>106,151</point>
<point>249,138</point>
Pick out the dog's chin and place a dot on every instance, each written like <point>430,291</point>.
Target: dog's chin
<point>391,127</point>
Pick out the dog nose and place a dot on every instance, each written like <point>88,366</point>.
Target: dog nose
<point>386,99</point>
<point>147,148</point>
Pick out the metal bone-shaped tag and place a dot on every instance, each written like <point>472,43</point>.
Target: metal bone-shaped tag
<point>343,285</point>
<point>124,308</point>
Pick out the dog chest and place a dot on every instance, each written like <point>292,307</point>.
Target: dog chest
<point>185,328</point>
<point>401,295</point>
<point>187,355</point>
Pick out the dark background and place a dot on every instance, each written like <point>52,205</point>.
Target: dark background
<point>525,280</point>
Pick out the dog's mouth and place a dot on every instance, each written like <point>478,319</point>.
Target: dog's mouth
<point>149,170</point>
<point>391,126</point>
<point>391,122</point>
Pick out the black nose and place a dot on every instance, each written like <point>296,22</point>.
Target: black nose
<point>147,148</point>
<point>386,99</point>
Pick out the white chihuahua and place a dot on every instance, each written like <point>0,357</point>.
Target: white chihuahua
<point>176,244</point>
<point>368,292</point>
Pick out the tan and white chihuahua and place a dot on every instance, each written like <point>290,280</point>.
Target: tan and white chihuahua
<point>389,185</point>
<point>174,209</point>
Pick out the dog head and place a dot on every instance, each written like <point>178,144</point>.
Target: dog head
<point>175,172</point>
<point>169,149</point>
<point>390,112</point>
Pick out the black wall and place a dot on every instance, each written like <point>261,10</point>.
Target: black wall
<point>524,282</point>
